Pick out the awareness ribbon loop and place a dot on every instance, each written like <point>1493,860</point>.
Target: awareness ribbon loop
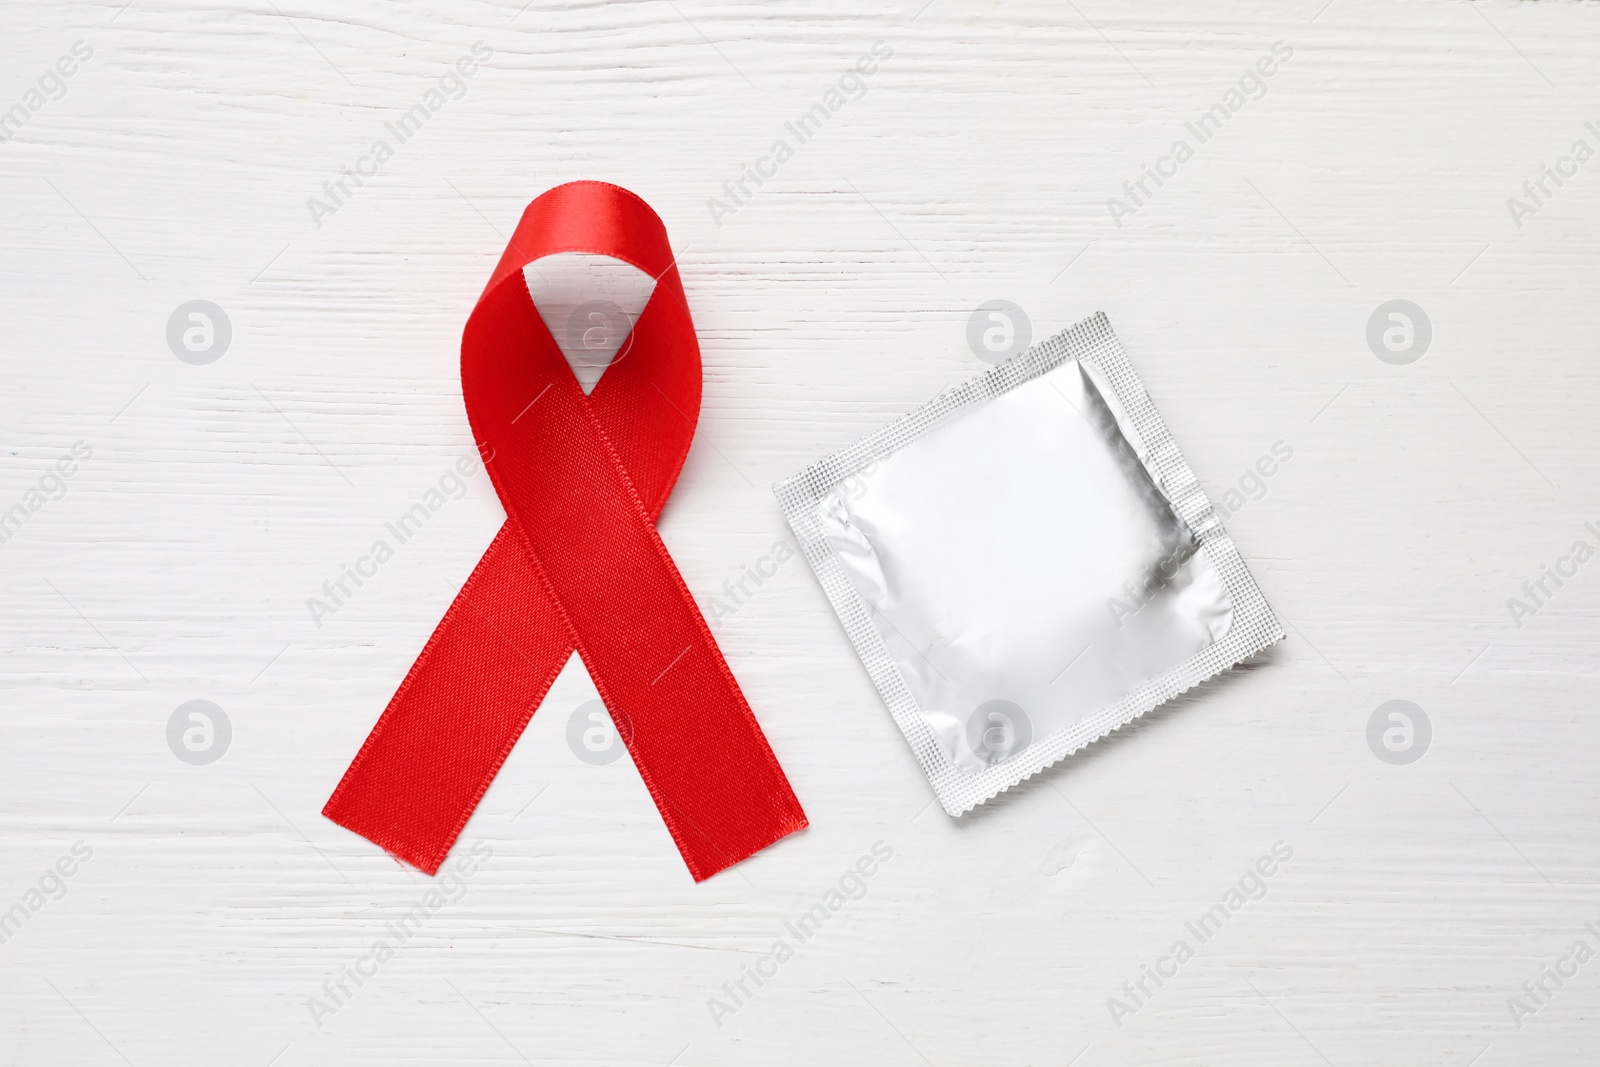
<point>577,565</point>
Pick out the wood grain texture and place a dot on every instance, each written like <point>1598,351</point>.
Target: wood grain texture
<point>976,166</point>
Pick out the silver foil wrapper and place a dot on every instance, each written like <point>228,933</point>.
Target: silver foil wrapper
<point>1025,564</point>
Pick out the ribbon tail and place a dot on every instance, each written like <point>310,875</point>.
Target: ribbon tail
<point>457,714</point>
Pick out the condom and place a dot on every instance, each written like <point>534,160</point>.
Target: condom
<point>1025,564</point>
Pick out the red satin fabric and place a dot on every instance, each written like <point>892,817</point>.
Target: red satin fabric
<point>577,565</point>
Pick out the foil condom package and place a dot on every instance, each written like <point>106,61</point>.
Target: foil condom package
<point>1025,564</point>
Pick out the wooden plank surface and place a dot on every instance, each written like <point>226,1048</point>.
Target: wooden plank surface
<point>216,910</point>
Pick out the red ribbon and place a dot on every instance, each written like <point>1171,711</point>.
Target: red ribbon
<point>577,565</point>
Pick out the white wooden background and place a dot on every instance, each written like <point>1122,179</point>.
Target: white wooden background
<point>976,166</point>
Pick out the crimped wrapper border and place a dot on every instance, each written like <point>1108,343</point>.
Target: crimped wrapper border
<point>1254,626</point>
